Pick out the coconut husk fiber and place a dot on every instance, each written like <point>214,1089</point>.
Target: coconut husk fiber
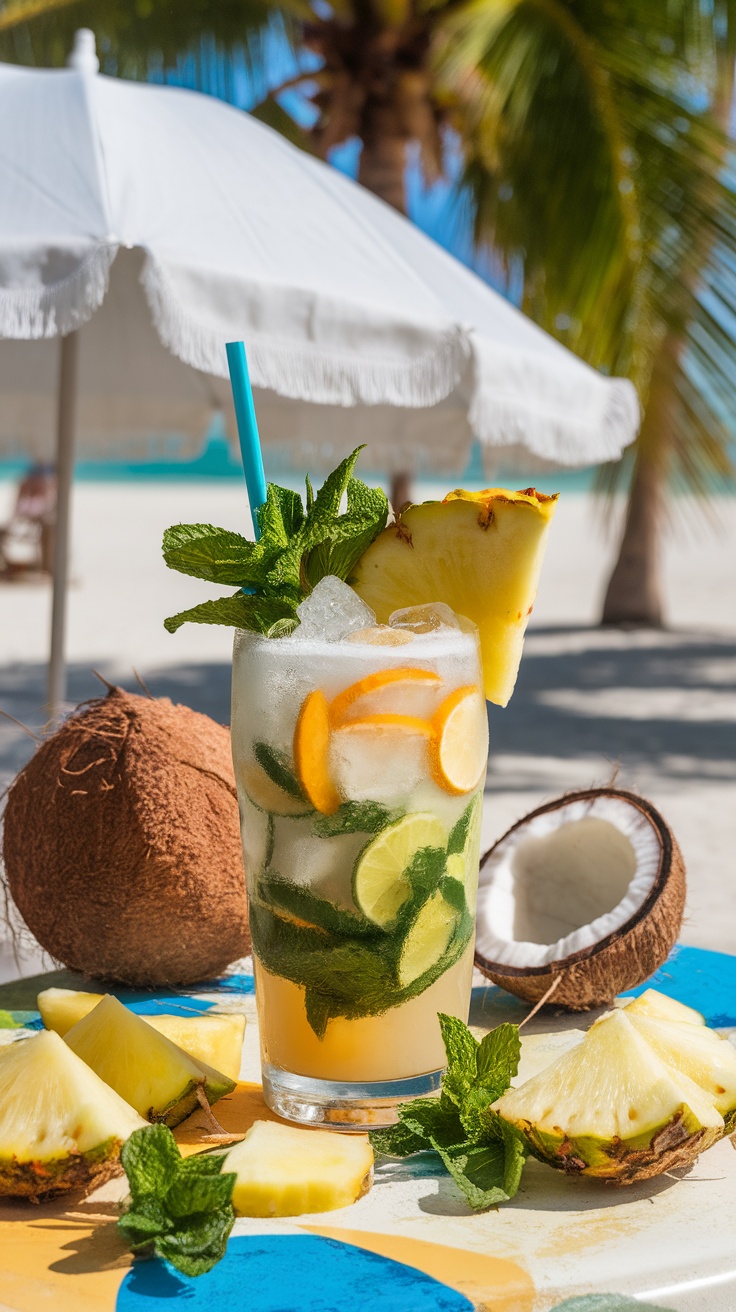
<point>122,844</point>
<point>623,959</point>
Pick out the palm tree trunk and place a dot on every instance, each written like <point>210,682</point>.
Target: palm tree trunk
<point>634,593</point>
<point>382,170</point>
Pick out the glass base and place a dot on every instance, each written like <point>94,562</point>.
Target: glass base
<point>342,1106</point>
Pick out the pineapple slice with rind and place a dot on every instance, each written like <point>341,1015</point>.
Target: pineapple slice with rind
<point>285,1171</point>
<point>659,1007</point>
<point>612,1108</point>
<point>61,1126</point>
<point>480,553</point>
<point>150,1072</point>
<point>216,1039</point>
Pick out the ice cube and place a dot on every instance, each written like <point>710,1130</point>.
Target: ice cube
<point>332,611</point>
<point>380,635</point>
<point>424,619</point>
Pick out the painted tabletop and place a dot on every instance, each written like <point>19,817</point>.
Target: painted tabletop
<point>411,1244</point>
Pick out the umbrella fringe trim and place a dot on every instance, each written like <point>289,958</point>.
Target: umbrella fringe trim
<point>545,429</point>
<point>58,308</point>
<point>304,371</point>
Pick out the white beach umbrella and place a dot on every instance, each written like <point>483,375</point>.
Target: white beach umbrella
<point>357,326</point>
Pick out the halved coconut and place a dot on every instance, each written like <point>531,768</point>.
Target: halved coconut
<point>588,890</point>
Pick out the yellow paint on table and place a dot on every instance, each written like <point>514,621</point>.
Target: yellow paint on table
<point>493,1284</point>
<point>60,1264</point>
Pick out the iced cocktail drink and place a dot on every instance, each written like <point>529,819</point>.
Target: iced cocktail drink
<point>360,762</point>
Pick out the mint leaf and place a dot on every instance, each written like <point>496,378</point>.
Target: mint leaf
<point>497,1059</point>
<point>309,493</point>
<point>143,1222</point>
<point>181,1210</point>
<point>461,1050</point>
<point>215,554</point>
<point>282,516</point>
<point>201,1164</point>
<point>354,818</point>
<point>195,1191</point>
<point>349,535</point>
<point>453,892</point>
<point>197,1247</point>
<point>318,1008</point>
<point>149,1158</point>
<point>237,611</point>
<point>459,833</point>
<point>278,769</point>
<point>306,905</point>
<point>420,1122</point>
<point>478,1171</point>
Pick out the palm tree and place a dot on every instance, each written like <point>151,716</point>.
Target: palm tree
<point>594,147</point>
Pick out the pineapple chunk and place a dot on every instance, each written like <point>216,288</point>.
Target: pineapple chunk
<point>61,1127</point>
<point>699,1053</point>
<point>216,1040</point>
<point>62,1008</point>
<point>480,553</point>
<point>144,1067</point>
<point>659,1007</point>
<point>284,1171</point>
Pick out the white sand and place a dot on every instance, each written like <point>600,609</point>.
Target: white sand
<point>663,706</point>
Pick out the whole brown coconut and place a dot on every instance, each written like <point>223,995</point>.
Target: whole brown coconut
<point>622,945</point>
<point>122,844</point>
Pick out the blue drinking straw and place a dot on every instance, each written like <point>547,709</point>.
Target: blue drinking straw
<point>250,442</point>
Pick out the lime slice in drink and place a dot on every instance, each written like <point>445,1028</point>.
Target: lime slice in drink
<point>427,939</point>
<point>380,885</point>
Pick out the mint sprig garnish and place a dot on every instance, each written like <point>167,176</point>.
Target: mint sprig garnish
<point>298,545</point>
<point>483,1153</point>
<point>180,1208</point>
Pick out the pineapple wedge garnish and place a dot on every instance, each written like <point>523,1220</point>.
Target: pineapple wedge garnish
<point>61,1127</point>
<point>216,1040</point>
<point>285,1171</point>
<point>478,552</point>
<point>150,1072</point>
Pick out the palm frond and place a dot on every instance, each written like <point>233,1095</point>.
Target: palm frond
<point>614,189</point>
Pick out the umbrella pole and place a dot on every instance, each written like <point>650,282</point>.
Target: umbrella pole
<point>65,424</point>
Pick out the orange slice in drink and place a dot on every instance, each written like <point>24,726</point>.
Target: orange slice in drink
<point>346,706</point>
<point>311,753</point>
<point>388,722</point>
<point>459,746</point>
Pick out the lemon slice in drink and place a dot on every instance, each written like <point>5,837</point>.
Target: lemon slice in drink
<point>459,748</point>
<point>427,939</point>
<point>380,884</point>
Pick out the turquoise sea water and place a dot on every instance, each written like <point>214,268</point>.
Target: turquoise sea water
<point>218,461</point>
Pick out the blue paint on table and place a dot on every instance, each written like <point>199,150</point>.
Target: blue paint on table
<point>151,1002</point>
<point>701,979</point>
<point>290,1273</point>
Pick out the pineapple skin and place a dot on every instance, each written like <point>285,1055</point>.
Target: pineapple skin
<point>59,1175</point>
<point>480,553</point>
<point>675,1143</point>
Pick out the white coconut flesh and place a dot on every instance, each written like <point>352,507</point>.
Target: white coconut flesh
<point>613,1085</point>
<point>564,881</point>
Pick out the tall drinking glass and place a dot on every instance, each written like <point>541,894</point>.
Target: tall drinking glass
<point>360,768</point>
